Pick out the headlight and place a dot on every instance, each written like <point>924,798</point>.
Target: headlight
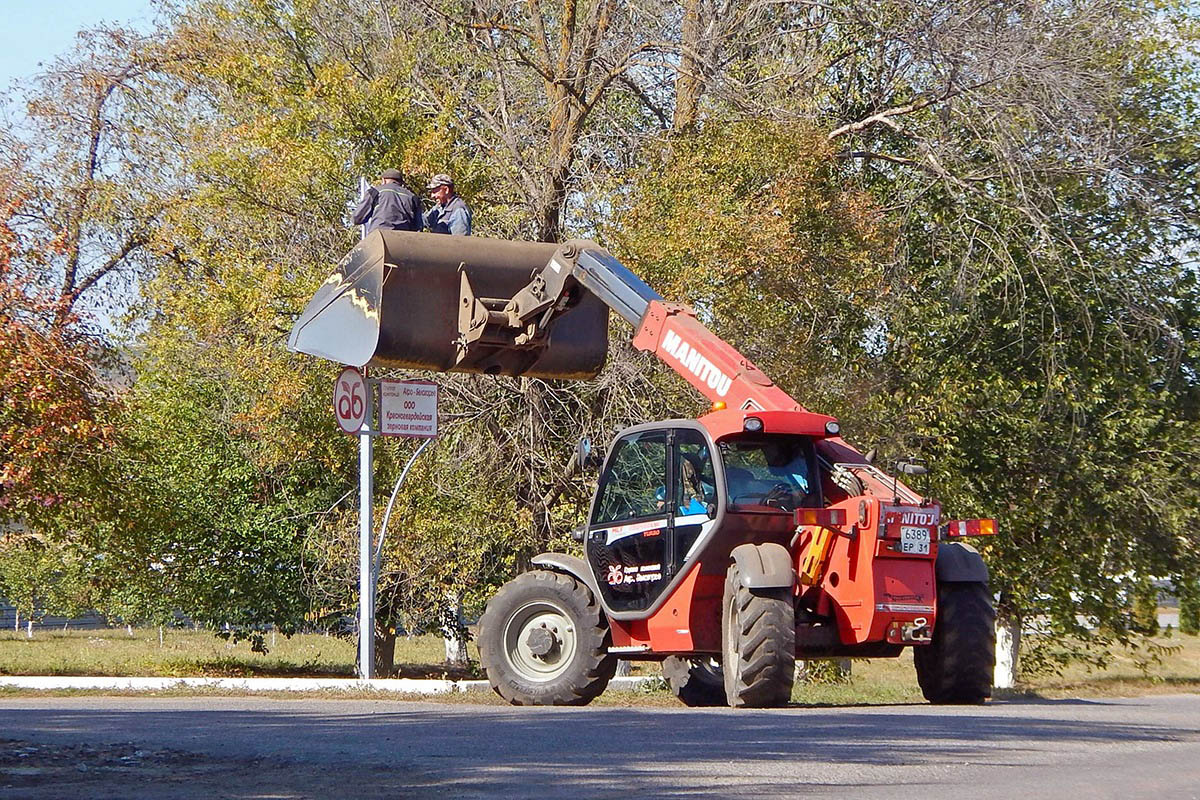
<point>752,425</point>
<point>832,428</point>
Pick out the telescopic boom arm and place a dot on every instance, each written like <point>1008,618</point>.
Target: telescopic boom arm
<point>670,331</point>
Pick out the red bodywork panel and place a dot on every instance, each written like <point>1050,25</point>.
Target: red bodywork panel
<point>689,621</point>
<point>872,592</point>
<point>868,585</point>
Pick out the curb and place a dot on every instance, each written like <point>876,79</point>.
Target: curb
<point>394,685</point>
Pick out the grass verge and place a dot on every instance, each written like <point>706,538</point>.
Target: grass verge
<point>185,653</point>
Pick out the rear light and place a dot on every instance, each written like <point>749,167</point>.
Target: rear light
<point>969,527</point>
<point>752,425</point>
<point>824,517</point>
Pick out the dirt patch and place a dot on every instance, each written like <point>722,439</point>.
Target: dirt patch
<point>25,765</point>
<point>30,771</point>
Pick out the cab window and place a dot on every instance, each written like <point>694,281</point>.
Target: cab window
<point>776,472</point>
<point>632,485</point>
<point>695,484</point>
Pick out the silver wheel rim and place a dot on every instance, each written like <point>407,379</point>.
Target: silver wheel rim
<point>528,620</point>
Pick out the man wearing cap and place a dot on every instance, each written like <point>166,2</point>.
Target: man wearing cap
<point>450,214</point>
<point>390,205</point>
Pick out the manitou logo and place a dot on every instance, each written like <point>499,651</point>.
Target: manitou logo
<point>697,364</point>
<point>918,518</point>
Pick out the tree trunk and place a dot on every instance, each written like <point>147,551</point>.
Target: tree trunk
<point>1189,605</point>
<point>385,651</point>
<point>453,630</point>
<point>688,85</point>
<point>1008,643</point>
<point>1145,607</point>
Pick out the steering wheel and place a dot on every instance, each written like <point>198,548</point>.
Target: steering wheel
<point>782,495</point>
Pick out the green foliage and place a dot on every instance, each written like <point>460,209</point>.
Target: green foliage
<point>751,225</point>
<point>1039,349</point>
<point>826,672</point>
<point>1145,608</point>
<point>1188,591</point>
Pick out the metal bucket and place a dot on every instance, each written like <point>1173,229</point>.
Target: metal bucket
<point>394,301</point>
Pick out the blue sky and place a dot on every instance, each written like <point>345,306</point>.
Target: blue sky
<point>33,31</point>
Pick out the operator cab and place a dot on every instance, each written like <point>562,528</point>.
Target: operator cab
<point>667,488</point>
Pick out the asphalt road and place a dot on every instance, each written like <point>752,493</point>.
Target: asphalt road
<point>133,747</point>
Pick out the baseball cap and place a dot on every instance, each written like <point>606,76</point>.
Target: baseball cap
<point>441,179</point>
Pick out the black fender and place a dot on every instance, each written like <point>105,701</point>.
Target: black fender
<point>764,566</point>
<point>959,562</point>
<point>574,566</point>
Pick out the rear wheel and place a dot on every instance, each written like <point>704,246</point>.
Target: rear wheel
<point>543,640</point>
<point>758,633</point>
<point>695,681</point>
<point>957,666</point>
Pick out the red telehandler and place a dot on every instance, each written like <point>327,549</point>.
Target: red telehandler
<point>725,547</point>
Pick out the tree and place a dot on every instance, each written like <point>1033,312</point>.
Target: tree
<point>1039,345</point>
<point>966,231</point>
<point>749,223</point>
<point>55,424</point>
<point>552,93</point>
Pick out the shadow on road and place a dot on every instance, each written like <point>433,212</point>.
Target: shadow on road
<point>503,752</point>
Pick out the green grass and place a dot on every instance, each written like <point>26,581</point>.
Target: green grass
<point>876,681</point>
<point>185,653</point>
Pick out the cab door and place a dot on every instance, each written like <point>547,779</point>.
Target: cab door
<point>655,500</point>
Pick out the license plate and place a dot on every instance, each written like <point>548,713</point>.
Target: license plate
<point>914,540</point>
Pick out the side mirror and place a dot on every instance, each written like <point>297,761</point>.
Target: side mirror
<point>585,457</point>
<point>912,466</point>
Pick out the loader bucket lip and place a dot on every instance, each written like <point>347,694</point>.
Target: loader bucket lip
<point>341,322</point>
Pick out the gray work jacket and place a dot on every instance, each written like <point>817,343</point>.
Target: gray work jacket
<point>390,206</point>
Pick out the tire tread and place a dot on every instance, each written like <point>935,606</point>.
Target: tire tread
<point>957,667</point>
<point>767,644</point>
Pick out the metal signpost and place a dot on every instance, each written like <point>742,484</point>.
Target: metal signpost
<point>406,408</point>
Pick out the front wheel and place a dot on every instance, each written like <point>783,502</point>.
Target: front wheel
<point>957,667</point>
<point>758,634</point>
<point>543,640</point>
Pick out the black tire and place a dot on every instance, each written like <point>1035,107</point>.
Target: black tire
<point>543,640</point>
<point>758,635</point>
<point>697,682</point>
<point>957,667</point>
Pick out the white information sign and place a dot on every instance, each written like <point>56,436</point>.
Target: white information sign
<point>350,400</point>
<point>408,408</point>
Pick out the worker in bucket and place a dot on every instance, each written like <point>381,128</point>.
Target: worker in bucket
<point>391,205</point>
<point>449,213</point>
